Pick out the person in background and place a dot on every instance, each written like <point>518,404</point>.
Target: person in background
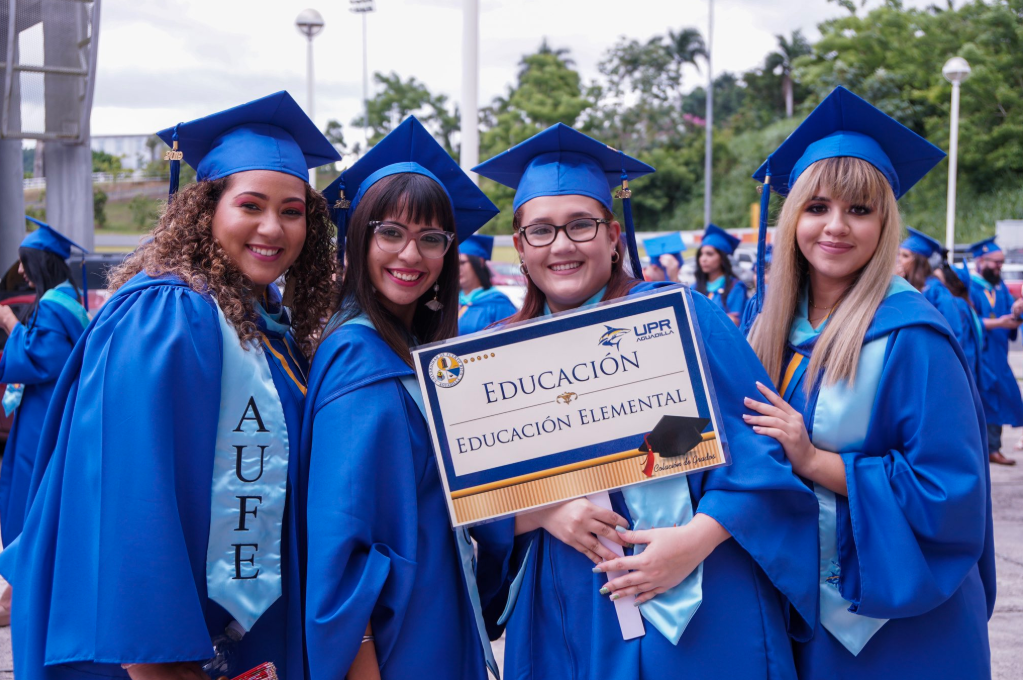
<point>388,586</point>
<point>714,276</point>
<point>664,254</point>
<point>914,264</point>
<point>875,409</point>
<point>957,280</point>
<point>160,543</point>
<point>479,303</point>
<point>1001,318</point>
<point>37,348</point>
<point>727,571</point>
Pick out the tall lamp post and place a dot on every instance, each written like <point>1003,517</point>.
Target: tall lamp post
<point>364,7</point>
<point>470,132</point>
<point>309,23</point>
<point>708,152</point>
<point>955,70</point>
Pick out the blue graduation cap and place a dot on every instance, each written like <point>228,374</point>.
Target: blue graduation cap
<point>561,161</point>
<point>717,237</point>
<point>270,133</point>
<point>985,247</point>
<point>920,243</point>
<point>670,244</point>
<point>963,272</point>
<point>49,239</point>
<point>843,125</point>
<point>409,148</point>
<point>478,245</point>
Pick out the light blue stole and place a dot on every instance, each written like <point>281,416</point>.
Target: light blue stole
<point>663,503</point>
<point>250,482</point>
<point>64,295</point>
<point>840,423</point>
<point>466,552</point>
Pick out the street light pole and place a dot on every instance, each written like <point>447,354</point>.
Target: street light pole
<point>364,7</point>
<point>708,153</point>
<point>955,70</point>
<point>309,24</point>
<point>470,148</point>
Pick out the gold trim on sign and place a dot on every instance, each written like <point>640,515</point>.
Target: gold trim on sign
<point>570,481</point>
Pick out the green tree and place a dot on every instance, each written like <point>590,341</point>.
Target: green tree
<point>397,99</point>
<point>99,207</point>
<point>144,212</point>
<point>104,162</point>
<point>780,62</point>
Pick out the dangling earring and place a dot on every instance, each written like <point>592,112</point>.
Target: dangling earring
<point>435,305</point>
<point>615,257</point>
<point>523,269</point>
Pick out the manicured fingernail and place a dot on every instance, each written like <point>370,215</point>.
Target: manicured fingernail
<point>597,570</point>
<point>615,596</point>
<point>746,416</point>
<point>636,604</point>
<point>760,384</point>
<point>605,590</point>
<point>621,530</point>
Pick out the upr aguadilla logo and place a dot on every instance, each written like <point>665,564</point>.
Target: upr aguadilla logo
<point>446,370</point>
<point>653,329</point>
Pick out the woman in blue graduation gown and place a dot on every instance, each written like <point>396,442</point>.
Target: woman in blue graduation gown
<point>386,595</point>
<point>914,265</point>
<point>957,280</point>
<point>714,276</point>
<point>889,428</point>
<point>720,590</point>
<point>479,303</point>
<point>37,349</point>
<point>161,537</point>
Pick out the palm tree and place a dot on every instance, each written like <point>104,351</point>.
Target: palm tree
<point>780,62</point>
<point>686,45</point>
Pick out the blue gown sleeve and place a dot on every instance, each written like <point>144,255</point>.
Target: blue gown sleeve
<point>122,515</point>
<point>37,355</point>
<point>362,524</point>
<point>917,500</point>
<point>943,301</point>
<point>736,301</point>
<point>757,498</point>
<point>1008,308</point>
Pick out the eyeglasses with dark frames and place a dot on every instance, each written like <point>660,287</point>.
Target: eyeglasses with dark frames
<point>392,237</point>
<point>579,230</point>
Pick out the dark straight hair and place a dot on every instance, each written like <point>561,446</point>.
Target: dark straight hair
<point>954,284</point>
<point>406,197</point>
<point>618,285</point>
<point>481,270</point>
<point>46,271</point>
<point>726,268</point>
<point>919,271</point>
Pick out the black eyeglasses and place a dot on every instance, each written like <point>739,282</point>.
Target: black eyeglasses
<point>579,231</point>
<point>392,237</point>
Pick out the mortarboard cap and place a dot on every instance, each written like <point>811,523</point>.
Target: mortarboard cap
<point>670,244</point>
<point>842,126</point>
<point>49,239</point>
<point>673,436</point>
<point>920,243</point>
<point>963,272</point>
<point>478,245</point>
<point>717,237</point>
<point>561,161</point>
<point>409,148</point>
<point>270,133</point>
<point>985,247</point>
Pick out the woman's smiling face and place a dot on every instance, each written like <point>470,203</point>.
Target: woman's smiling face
<point>837,238</point>
<point>567,272</point>
<point>401,278</point>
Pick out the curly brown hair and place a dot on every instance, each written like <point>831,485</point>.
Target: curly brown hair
<point>183,245</point>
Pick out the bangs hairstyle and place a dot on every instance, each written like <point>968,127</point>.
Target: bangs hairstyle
<point>183,245</point>
<point>619,285</point>
<point>837,351</point>
<point>410,198</point>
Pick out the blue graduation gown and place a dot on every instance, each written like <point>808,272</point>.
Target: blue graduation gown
<point>757,589</point>
<point>482,308</point>
<point>938,295</point>
<point>972,340</point>
<point>380,548</point>
<point>735,302</point>
<point>33,357</point>
<point>915,541</point>
<point>111,566</point>
<point>1000,392</point>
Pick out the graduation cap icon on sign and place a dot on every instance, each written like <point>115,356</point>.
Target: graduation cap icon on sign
<point>673,436</point>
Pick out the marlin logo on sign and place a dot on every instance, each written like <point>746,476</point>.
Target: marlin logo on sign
<point>613,337</point>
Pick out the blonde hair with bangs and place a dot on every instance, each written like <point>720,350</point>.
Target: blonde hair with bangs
<point>837,351</point>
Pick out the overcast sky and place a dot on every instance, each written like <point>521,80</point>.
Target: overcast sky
<point>165,61</point>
